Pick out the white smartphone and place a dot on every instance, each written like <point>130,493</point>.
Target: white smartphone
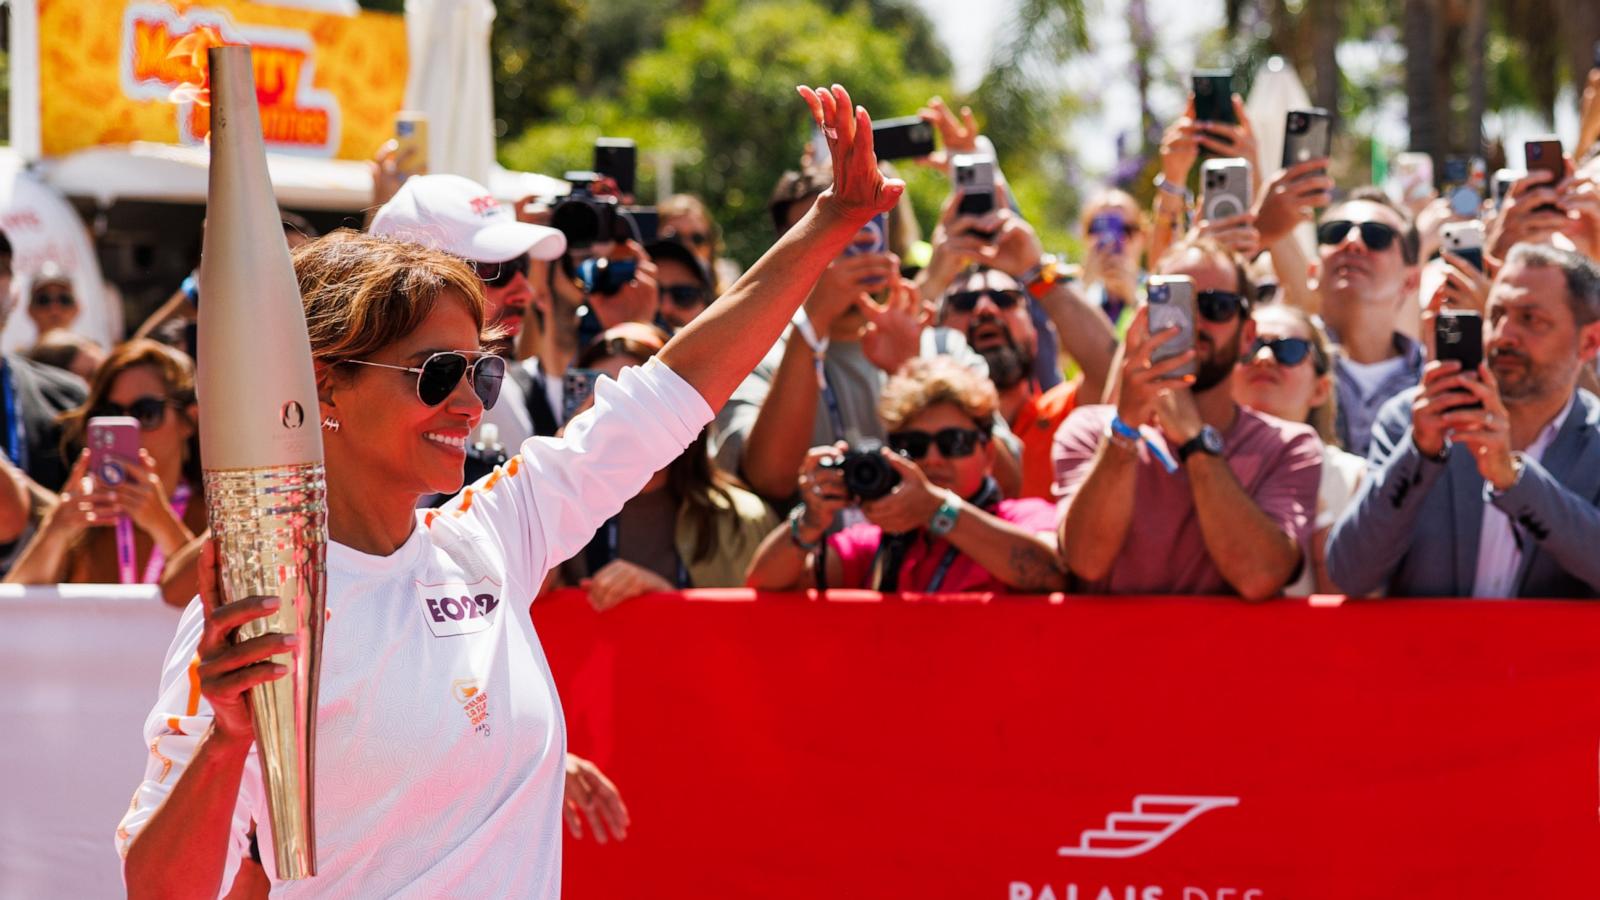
<point>1172,305</point>
<point>1224,188</point>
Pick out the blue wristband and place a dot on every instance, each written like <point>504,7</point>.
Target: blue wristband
<point>1125,430</point>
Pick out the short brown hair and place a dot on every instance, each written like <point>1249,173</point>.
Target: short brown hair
<point>362,293</point>
<point>793,187</point>
<point>923,383</point>
<point>1214,249</point>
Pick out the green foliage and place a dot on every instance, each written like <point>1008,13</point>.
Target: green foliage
<point>719,95</point>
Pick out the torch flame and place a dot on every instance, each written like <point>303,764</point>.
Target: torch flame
<point>193,46</point>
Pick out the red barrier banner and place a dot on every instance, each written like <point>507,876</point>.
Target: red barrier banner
<point>1084,748</point>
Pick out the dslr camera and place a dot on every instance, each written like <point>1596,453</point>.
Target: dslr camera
<point>590,215</point>
<point>867,475</point>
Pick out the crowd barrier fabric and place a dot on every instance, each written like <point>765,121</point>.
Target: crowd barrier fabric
<point>80,665</point>
<point>1017,749</point>
<point>1086,748</point>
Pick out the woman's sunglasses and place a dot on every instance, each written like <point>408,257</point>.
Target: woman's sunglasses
<point>438,376</point>
<point>496,275</point>
<point>953,443</point>
<point>1376,235</point>
<point>1290,351</point>
<point>967,301</point>
<point>52,298</point>
<point>685,296</point>
<point>1220,307</point>
<point>691,238</point>
<point>150,411</point>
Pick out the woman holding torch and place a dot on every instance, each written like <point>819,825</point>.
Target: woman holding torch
<point>440,741</point>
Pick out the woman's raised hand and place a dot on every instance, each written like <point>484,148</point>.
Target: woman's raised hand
<point>859,190</point>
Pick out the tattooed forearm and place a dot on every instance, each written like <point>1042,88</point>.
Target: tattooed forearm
<point>1033,568</point>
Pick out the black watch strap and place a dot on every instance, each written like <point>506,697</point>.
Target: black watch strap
<point>1207,441</point>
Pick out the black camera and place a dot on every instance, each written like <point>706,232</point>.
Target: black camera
<point>587,218</point>
<point>867,475</point>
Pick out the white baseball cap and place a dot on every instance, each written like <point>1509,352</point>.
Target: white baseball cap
<point>460,217</point>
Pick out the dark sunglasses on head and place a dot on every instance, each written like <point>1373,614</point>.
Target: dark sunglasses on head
<point>500,274</point>
<point>53,298</point>
<point>150,411</point>
<point>1290,351</point>
<point>693,238</point>
<point>439,374</point>
<point>1376,235</point>
<point>967,301</point>
<point>1220,307</point>
<point>953,443</point>
<point>684,296</point>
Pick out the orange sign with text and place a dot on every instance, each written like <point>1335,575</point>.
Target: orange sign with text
<point>118,71</point>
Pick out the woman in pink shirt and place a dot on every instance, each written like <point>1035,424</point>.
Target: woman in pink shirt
<point>942,526</point>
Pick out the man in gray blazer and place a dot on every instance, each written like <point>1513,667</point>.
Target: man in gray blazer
<point>1501,500</point>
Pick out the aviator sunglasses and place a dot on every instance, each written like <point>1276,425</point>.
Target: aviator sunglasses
<point>953,443</point>
<point>1290,351</point>
<point>500,274</point>
<point>151,411</point>
<point>439,374</point>
<point>1376,235</point>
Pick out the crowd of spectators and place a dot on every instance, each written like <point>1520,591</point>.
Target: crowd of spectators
<point>992,418</point>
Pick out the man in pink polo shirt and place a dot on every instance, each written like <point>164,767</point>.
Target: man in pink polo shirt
<point>1232,514</point>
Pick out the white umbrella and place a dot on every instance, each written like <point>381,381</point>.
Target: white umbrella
<point>449,80</point>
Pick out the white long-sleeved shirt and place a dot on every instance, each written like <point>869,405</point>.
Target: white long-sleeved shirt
<point>440,740</point>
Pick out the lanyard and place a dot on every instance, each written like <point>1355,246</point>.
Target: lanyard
<point>16,447</point>
<point>892,549</point>
<point>819,358</point>
<point>152,569</point>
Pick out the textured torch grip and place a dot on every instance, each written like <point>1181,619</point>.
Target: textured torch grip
<point>271,533</point>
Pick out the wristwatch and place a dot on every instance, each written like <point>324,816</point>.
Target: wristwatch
<point>1209,440</point>
<point>944,518</point>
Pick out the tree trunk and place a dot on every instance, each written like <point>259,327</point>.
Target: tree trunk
<point>1477,90</point>
<point>1422,109</point>
<point>1327,26</point>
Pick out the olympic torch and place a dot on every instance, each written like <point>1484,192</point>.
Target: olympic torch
<point>261,445</point>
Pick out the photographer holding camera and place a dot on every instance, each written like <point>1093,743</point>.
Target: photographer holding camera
<point>936,520</point>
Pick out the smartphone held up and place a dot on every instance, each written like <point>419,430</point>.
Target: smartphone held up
<point>1171,301</point>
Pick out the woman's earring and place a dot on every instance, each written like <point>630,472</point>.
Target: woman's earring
<point>329,423</point>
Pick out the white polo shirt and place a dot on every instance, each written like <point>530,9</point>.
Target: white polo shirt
<point>440,739</point>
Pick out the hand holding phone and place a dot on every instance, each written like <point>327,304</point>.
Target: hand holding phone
<point>113,446</point>
<point>973,175</point>
<point>1171,300</point>
<point>1213,96</point>
<point>1458,335</point>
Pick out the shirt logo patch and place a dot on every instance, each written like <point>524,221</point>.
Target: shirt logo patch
<point>453,608</point>
<point>474,702</point>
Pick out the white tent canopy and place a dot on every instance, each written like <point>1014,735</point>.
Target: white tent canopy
<point>171,174</point>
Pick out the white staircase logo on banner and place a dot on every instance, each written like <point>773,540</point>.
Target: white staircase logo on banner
<point>1154,818</point>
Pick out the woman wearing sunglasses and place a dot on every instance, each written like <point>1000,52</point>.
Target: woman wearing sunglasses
<point>691,526</point>
<point>944,527</point>
<point>1287,371</point>
<point>126,534</point>
<point>440,742</point>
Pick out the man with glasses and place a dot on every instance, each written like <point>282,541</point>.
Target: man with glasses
<point>683,280</point>
<point>51,301</point>
<point>1487,483</point>
<point>1176,489</point>
<point>1366,273</point>
<point>461,217</point>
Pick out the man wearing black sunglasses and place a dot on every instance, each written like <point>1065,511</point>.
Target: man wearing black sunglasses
<point>684,281</point>
<point>1176,488</point>
<point>462,218</point>
<point>1366,275</point>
